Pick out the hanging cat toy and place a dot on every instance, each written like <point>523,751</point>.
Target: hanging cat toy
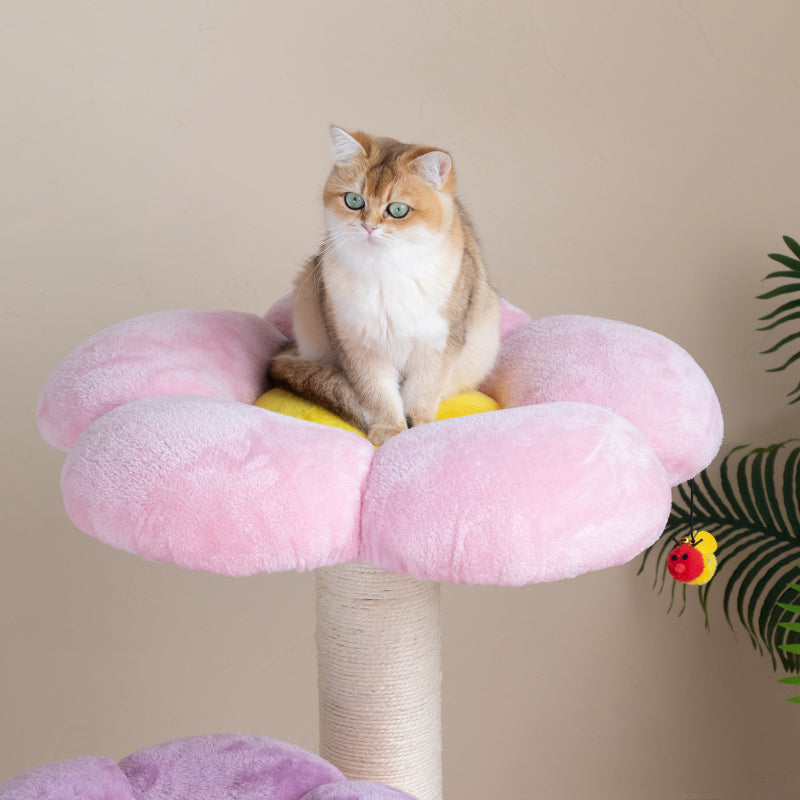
<point>693,560</point>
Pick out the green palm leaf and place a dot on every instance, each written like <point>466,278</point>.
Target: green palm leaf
<point>752,508</point>
<point>792,627</point>
<point>788,312</point>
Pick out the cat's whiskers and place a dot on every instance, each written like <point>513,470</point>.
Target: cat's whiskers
<point>335,243</point>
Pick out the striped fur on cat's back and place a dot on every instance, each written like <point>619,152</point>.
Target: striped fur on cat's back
<point>395,311</point>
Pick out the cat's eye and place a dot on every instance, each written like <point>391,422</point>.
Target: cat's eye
<point>398,210</point>
<point>354,201</point>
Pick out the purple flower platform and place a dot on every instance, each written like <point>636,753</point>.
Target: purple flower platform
<point>223,767</point>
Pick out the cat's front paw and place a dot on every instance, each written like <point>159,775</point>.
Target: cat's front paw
<point>422,418</point>
<point>378,434</point>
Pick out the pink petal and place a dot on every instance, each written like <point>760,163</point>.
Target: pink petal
<point>280,315</point>
<point>511,318</point>
<point>514,496</point>
<point>638,374</point>
<point>219,486</point>
<point>215,353</point>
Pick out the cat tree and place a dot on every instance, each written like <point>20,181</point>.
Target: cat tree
<point>169,459</point>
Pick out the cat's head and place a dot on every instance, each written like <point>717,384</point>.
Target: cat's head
<point>384,194</point>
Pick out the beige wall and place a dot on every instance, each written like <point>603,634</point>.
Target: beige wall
<point>633,160</point>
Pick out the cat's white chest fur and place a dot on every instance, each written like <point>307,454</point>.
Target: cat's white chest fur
<point>389,302</point>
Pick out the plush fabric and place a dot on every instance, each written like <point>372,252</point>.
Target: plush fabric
<point>215,353</point>
<point>356,790</point>
<point>523,495</point>
<point>283,402</point>
<point>280,315</point>
<point>221,767</point>
<point>599,419</point>
<point>217,485</point>
<point>638,374</point>
<point>694,563</point>
<point>92,778</point>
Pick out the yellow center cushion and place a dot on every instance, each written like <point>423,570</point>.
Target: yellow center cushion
<point>283,402</point>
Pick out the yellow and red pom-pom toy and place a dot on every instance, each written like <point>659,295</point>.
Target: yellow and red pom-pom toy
<point>693,560</point>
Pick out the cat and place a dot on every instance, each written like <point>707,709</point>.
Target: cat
<point>395,311</point>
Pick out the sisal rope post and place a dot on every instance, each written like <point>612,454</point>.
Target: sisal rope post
<point>380,677</point>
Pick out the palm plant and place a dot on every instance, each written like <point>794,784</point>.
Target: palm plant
<point>792,647</point>
<point>752,507</point>
<point>788,311</point>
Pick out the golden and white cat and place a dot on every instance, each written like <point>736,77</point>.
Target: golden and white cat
<point>395,312</point>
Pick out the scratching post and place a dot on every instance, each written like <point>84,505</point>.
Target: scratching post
<point>379,657</point>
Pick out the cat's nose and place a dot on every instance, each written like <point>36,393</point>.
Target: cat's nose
<point>369,227</point>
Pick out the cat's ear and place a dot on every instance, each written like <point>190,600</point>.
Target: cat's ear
<point>434,167</point>
<point>345,147</point>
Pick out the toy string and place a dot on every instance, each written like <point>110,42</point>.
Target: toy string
<point>691,536</point>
